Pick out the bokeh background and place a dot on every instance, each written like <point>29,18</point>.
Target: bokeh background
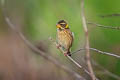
<point>37,20</point>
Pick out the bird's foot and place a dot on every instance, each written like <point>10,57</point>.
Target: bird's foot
<point>67,54</point>
<point>58,46</point>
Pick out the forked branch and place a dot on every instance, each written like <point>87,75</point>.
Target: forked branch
<point>86,42</point>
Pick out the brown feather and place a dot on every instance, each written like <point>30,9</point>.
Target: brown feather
<point>65,39</point>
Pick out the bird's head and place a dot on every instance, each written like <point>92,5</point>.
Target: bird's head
<point>62,24</point>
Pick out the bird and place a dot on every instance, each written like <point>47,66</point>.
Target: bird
<point>64,37</point>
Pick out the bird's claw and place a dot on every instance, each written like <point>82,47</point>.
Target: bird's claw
<point>58,46</point>
<point>67,54</point>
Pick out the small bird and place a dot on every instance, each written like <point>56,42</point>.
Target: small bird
<point>64,37</point>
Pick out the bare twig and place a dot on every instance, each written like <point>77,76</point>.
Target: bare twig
<point>87,42</point>
<point>107,53</point>
<point>39,52</point>
<point>99,51</point>
<point>78,50</point>
<point>103,26</point>
<point>111,15</point>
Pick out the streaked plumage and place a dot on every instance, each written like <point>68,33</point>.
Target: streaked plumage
<point>64,36</point>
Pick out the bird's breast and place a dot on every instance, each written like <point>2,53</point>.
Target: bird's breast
<point>64,38</point>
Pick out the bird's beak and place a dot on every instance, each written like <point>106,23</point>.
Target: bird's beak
<point>58,26</point>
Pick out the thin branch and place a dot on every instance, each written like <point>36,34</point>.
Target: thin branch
<point>38,51</point>
<point>99,51</point>
<point>75,62</point>
<point>107,53</point>
<point>103,26</point>
<point>87,42</point>
<point>111,15</point>
<point>78,50</point>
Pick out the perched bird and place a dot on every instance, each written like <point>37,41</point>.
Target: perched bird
<point>64,37</point>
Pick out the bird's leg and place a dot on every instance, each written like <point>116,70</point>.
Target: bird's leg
<point>65,53</point>
<point>68,53</point>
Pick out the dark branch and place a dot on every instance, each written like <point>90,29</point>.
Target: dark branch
<point>103,26</point>
<point>111,15</point>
